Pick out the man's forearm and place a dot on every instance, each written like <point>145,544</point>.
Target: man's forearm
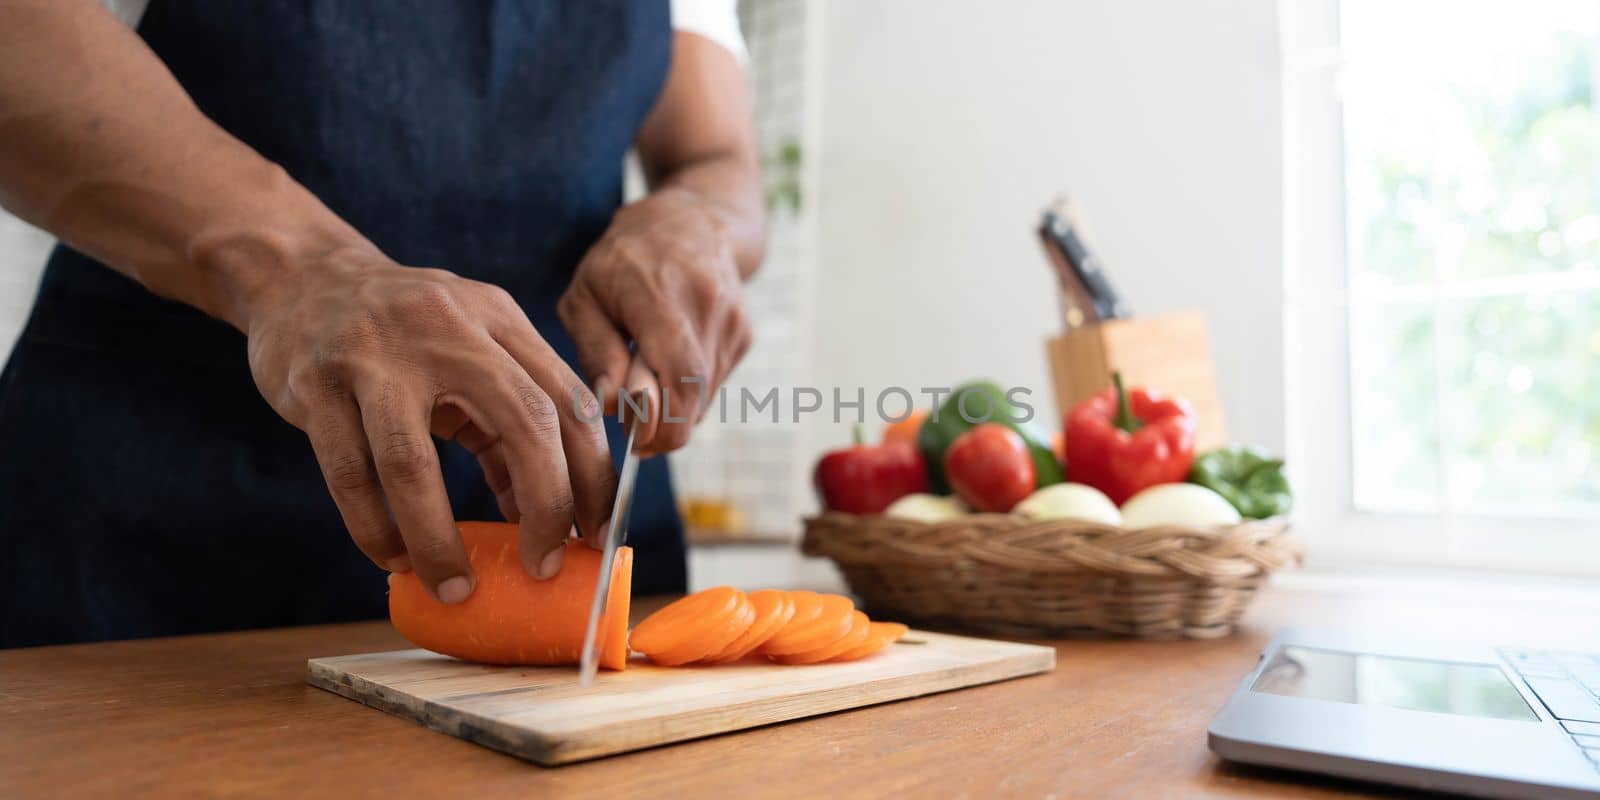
<point>700,138</point>
<point>730,188</point>
<point>100,146</point>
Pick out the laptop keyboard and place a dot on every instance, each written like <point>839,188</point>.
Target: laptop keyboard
<point>1569,686</point>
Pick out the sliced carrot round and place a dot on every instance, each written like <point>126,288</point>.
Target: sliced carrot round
<point>774,609</point>
<point>683,620</point>
<point>714,635</point>
<point>879,637</point>
<point>807,605</point>
<point>812,628</point>
<point>860,628</point>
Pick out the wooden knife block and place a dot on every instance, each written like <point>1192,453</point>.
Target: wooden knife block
<point>1171,353</point>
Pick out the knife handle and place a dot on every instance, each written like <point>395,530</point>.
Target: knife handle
<point>1062,233</point>
<point>1077,304</point>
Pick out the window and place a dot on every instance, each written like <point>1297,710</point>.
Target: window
<point>1443,212</point>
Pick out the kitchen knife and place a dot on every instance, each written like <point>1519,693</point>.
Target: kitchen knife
<point>1083,278</point>
<point>1077,305</point>
<point>616,532</point>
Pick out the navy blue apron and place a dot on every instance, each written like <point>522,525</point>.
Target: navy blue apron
<point>145,487</point>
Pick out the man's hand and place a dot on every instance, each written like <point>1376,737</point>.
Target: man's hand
<point>664,276</point>
<point>369,358</point>
<point>668,273</point>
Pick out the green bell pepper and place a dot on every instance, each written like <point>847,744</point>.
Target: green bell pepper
<point>983,397</point>
<point>1249,479</point>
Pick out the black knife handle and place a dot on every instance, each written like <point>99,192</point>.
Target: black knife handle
<point>1064,236</point>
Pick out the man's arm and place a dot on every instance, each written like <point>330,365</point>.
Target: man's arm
<point>700,138</point>
<point>667,273</point>
<point>101,146</point>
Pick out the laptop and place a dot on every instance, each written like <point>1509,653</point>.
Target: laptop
<point>1470,720</point>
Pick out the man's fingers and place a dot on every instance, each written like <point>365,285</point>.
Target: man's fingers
<point>644,394</point>
<point>396,424</point>
<point>602,348</point>
<point>491,459</point>
<point>641,406</point>
<point>341,448</point>
<point>732,344</point>
<point>588,469</point>
<point>498,477</point>
<point>735,341</point>
<point>530,430</point>
<point>674,356</point>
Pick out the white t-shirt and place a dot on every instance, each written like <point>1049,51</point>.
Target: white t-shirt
<point>717,20</point>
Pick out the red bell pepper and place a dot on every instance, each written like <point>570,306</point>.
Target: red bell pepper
<point>865,479</point>
<point>990,467</point>
<point>1121,442</point>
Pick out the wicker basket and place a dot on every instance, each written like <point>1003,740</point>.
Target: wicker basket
<point>998,573</point>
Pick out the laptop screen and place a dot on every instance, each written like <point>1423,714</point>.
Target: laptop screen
<point>1480,690</point>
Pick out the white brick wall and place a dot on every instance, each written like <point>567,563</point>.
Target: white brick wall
<point>757,465</point>
<point>22,252</point>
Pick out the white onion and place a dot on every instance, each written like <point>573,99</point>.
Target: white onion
<point>1069,501</point>
<point>1177,504</point>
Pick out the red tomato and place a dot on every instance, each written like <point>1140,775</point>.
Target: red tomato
<point>990,468</point>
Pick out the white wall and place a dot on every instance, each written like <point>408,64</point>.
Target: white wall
<point>23,249</point>
<point>949,124</point>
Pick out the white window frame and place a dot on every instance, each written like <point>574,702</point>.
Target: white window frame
<point>1317,350</point>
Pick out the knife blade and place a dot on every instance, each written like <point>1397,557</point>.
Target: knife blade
<point>616,533</point>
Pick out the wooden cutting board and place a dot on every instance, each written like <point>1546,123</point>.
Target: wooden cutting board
<point>541,713</point>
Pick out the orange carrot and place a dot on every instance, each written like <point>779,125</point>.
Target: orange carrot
<point>807,605</point>
<point>860,627</point>
<point>905,431</point>
<point>686,623</point>
<point>824,622</point>
<point>773,610</point>
<point>712,636</point>
<point>882,633</point>
<point>511,617</point>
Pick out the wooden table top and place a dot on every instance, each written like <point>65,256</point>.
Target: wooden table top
<point>230,715</point>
